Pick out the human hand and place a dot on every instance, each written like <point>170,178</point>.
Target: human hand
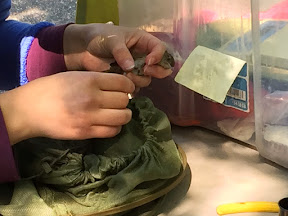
<point>69,105</point>
<point>94,46</point>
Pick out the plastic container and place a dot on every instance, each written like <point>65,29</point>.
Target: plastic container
<point>183,25</point>
<point>256,107</point>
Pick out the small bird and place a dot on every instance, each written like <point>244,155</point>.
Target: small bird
<point>166,62</point>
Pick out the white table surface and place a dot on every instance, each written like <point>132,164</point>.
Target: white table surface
<point>222,171</point>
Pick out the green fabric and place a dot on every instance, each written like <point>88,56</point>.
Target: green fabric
<point>82,177</point>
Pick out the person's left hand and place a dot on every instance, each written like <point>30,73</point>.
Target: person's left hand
<point>93,47</point>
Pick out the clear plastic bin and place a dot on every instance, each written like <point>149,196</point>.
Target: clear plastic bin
<point>256,107</point>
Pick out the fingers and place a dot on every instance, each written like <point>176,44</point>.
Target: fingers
<point>144,42</point>
<point>103,124</point>
<point>151,45</point>
<point>111,117</point>
<point>112,100</point>
<point>103,131</point>
<point>139,81</point>
<point>156,71</point>
<point>113,82</point>
<point>156,53</point>
<point>94,131</point>
<point>123,56</point>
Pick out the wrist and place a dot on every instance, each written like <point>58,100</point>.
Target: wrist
<point>16,127</point>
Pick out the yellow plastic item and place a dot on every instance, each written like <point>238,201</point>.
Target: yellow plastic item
<point>244,207</point>
<point>97,11</point>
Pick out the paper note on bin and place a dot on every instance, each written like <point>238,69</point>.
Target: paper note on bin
<point>209,73</point>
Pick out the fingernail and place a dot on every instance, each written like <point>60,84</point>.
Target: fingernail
<point>151,61</point>
<point>128,65</point>
<point>145,70</point>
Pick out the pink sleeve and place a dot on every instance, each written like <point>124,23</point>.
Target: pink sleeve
<point>8,170</point>
<point>45,55</point>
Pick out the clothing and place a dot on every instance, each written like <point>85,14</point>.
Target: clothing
<point>26,53</point>
<point>7,165</point>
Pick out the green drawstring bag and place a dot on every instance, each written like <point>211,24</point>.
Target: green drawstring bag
<point>90,176</point>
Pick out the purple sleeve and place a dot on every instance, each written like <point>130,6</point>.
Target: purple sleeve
<point>8,168</point>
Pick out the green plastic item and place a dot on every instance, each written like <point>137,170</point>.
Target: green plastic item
<point>97,11</point>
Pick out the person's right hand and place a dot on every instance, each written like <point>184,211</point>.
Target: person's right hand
<point>68,105</point>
